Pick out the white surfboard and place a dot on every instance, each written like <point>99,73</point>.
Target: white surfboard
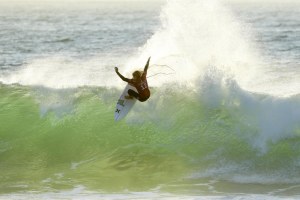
<point>124,105</point>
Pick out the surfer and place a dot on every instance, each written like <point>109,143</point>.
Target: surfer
<point>139,81</point>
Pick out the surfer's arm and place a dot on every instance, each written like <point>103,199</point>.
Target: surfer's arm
<point>121,76</point>
<point>147,65</point>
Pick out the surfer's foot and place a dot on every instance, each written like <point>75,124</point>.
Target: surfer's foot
<point>128,97</point>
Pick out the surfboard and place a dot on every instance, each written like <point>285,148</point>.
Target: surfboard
<point>124,105</point>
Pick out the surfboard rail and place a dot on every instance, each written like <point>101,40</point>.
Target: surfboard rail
<point>124,105</point>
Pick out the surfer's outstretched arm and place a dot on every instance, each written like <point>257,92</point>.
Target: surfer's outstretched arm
<point>147,65</point>
<point>121,76</point>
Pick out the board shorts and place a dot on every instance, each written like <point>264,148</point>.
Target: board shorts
<point>137,95</point>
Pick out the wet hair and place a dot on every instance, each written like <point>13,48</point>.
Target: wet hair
<point>137,73</point>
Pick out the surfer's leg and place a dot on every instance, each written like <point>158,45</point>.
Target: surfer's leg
<point>129,97</point>
<point>132,94</point>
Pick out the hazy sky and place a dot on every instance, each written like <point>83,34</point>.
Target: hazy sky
<point>241,1</point>
<point>235,1</point>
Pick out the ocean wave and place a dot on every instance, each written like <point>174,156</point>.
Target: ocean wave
<point>216,127</point>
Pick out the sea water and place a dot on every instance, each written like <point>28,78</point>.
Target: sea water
<point>223,120</point>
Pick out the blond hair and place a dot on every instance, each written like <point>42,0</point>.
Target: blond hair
<point>137,73</point>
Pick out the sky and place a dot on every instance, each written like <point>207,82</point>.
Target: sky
<point>240,1</point>
<point>81,1</point>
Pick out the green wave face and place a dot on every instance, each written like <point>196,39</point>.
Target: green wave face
<point>82,146</point>
<point>53,140</point>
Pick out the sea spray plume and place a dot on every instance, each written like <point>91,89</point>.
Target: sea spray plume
<point>198,34</point>
<point>212,54</point>
<point>193,36</point>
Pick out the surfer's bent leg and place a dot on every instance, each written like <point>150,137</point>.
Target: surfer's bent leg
<point>133,94</point>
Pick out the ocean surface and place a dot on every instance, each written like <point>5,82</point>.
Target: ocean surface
<point>223,120</point>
